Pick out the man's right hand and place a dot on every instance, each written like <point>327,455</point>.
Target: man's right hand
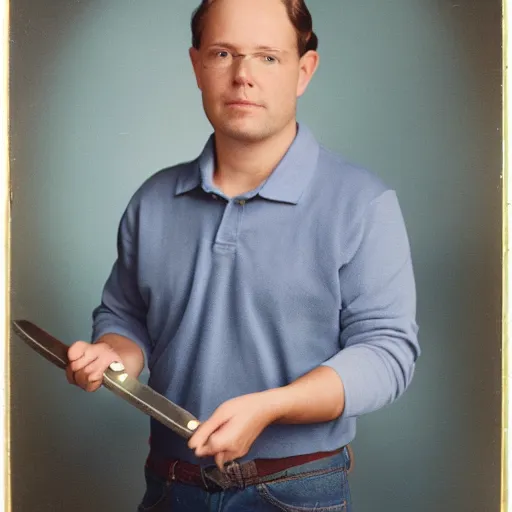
<point>88,362</point>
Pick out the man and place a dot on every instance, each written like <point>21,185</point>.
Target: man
<point>267,285</point>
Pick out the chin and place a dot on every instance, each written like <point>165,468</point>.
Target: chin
<point>245,131</point>
<point>247,135</point>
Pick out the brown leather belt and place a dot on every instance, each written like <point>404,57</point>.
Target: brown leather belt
<point>235,475</point>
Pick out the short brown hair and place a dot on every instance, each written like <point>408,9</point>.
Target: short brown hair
<point>297,12</point>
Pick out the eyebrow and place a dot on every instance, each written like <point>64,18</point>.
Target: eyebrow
<point>260,48</point>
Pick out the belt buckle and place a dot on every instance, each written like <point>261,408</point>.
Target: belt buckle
<point>222,481</point>
<point>211,480</point>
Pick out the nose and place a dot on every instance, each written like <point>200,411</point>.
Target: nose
<point>242,72</point>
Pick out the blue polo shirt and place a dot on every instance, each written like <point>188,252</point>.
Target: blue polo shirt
<point>229,296</point>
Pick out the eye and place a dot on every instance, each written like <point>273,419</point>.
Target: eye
<point>216,54</point>
<point>269,59</point>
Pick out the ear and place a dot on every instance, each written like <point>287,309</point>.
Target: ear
<point>308,65</point>
<point>196,65</point>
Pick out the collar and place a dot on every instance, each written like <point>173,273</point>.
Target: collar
<point>286,183</point>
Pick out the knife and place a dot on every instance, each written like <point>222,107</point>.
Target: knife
<point>115,379</point>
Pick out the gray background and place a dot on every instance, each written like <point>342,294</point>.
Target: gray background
<point>102,96</point>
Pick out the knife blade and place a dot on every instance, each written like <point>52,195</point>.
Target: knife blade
<point>115,379</point>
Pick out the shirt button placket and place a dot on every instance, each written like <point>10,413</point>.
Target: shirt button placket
<point>228,230</point>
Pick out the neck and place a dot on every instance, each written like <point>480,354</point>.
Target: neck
<point>242,166</point>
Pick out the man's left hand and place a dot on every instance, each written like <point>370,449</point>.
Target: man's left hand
<point>234,426</point>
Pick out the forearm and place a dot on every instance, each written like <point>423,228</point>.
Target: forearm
<point>130,353</point>
<point>317,396</point>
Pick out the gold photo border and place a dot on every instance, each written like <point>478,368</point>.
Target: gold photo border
<point>506,505</point>
<point>5,195</point>
<point>5,485</point>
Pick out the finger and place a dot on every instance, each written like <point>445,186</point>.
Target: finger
<point>86,358</point>
<point>70,376</point>
<point>220,441</point>
<point>91,373</point>
<point>205,430</point>
<point>77,350</point>
<point>230,456</point>
<point>220,459</point>
<point>90,376</point>
<point>223,459</point>
<point>83,380</point>
<point>96,368</point>
<point>210,446</point>
<point>100,355</point>
<point>93,386</point>
<point>80,379</point>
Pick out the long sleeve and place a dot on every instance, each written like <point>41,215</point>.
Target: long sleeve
<point>123,310</point>
<point>378,327</point>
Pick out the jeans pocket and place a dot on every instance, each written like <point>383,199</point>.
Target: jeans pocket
<point>324,490</point>
<point>155,496</point>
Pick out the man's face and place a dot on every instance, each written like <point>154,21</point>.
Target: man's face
<point>250,99</point>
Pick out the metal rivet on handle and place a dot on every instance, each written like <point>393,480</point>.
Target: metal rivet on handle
<point>192,424</point>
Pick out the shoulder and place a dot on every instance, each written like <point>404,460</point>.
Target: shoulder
<point>162,184</point>
<point>361,204</point>
<point>154,193</point>
<point>348,187</point>
<point>166,180</point>
<point>348,177</point>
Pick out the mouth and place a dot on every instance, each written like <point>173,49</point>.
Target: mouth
<point>243,104</point>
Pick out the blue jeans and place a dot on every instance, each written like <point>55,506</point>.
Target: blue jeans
<point>320,486</point>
